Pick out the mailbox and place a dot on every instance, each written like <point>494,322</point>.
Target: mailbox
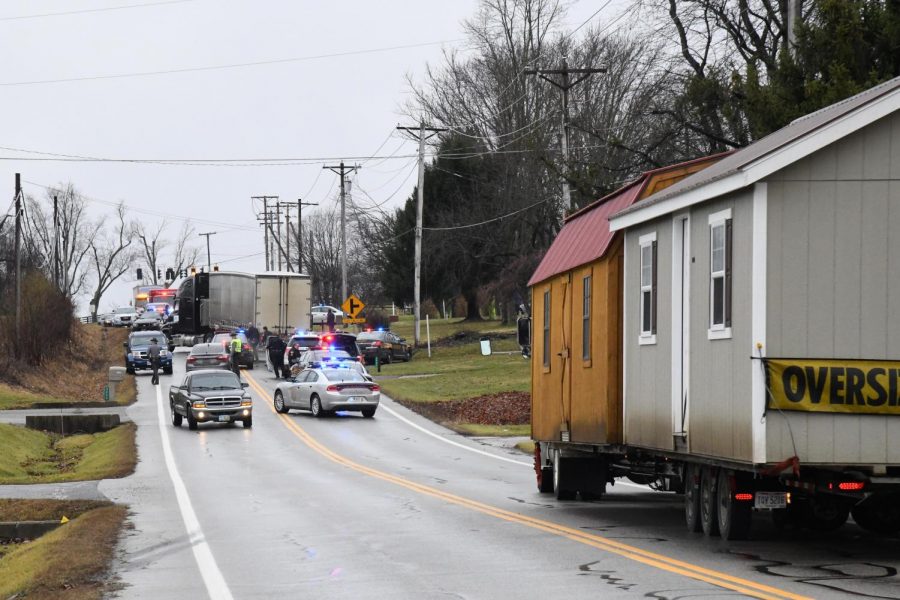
<point>116,374</point>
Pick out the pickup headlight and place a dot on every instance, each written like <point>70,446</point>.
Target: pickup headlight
<point>246,402</point>
<point>198,404</point>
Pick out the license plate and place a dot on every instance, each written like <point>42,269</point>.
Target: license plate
<point>356,399</point>
<point>224,418</point>
<point>770,500</point>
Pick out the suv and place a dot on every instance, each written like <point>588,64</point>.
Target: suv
<point>340,341</point>
<point>124,316</point>
<point>303,342</point>
<point>136,351</point>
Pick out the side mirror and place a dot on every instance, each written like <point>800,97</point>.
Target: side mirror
<point>244,384</point>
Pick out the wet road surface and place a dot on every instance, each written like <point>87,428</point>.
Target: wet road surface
<point>397,507</point>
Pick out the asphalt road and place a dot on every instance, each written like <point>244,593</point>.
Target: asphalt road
<point>397,507</point>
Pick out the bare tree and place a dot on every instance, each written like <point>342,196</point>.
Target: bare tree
<point>152,243</point>
<point>185,255</point>
<point>71,237</point>
<point>112,254</point>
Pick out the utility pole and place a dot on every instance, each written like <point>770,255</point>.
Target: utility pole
<point>269,235</point>
<point>565,85</point>
<point>419,133</point>
<point>208,256</point>
<point>17,249</point>
<point>55,241</point>
<point>300,205</point>
<point>793,21</point>
<point>341,170</point>
<point>287,236</point>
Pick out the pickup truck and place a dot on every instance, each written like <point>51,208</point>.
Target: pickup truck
<point>136,356</point>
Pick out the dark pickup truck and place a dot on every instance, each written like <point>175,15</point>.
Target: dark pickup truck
<point>136,356</point>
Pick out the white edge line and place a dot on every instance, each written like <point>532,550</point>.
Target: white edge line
<point>451,442</point>
<point>206,562</point>
<point>476,450</point>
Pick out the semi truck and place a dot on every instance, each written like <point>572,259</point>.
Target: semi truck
<point>221,300</point>
<point>726,330</point>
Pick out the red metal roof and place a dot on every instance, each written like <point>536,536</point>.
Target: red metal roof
<point>586,236</point>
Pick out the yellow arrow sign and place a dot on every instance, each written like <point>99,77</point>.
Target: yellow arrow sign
<point>352,306</point>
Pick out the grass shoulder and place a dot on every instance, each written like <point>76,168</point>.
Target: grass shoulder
<point>70,562</point>
<point>29,456</point>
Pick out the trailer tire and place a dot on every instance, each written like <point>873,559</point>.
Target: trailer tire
<point>709,519</point>
<point>825,514</point>
<point>879,513</point>
<point>560,492</point>
<point>692,498</point>
<point>545,479</point>
<point>734,516</point>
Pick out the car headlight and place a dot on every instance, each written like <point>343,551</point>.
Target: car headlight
<point>198,404</point>
<point>246,402</point>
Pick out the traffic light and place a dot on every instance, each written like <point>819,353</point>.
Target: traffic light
<point>193,270</point>
<point>216,268</point>
<point>183,272</point>
<point>140,273</point>
<point>170,274</point>
<point>159,273</point>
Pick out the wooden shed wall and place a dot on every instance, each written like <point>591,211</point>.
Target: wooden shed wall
<point>585,394</point>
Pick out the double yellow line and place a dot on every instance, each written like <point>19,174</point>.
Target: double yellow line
<point>744,586</point>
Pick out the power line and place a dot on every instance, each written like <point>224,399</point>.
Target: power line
<point>226,66</point>
<point>92,10</point>
<point>501,217</point>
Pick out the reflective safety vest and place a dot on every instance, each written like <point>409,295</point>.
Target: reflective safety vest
<point>236,345</point>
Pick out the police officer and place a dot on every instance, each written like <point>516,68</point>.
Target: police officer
<point>236,348</point>
<point>329,320</point>
<point>153,352</point>
<point>275,346</point>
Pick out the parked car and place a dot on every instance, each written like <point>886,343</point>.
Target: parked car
<point>384,345</point>
<point>210,395</point>
<point>303,342</point>
<point>124,316</point>
<point>320,314</point>
<point>325,390</point>
<point>148,320</point>
<point>106,319</point>
<point>248,353</point>
<point>207,356</point>
<point>136,351</point>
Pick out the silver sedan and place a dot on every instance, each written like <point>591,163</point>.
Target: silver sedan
<point>325,390</point>
<point>207,356</point>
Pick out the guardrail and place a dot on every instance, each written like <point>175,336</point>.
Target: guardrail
<point>88,319</point>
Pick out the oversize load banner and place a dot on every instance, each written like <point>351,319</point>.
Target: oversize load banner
<point>835,386</point>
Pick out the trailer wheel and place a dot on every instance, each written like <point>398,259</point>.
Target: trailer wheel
<point>734,515</point>
<point>561,494</point>
<point>709,520</point>
<point>692,498</point>
<point>545,479</point>
<point>825,514</point>
<point>879,513</point>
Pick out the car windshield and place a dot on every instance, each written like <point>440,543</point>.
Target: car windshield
<point>152,315</point>
<point>208,349</point>
<point>215,381</point>
<point>305,341</point>
<point>342,375</point>
<point>329,355</point>
<point>224,338</point>
<point>124,309</point>
<point>144,340</point>
<point>371,335</point>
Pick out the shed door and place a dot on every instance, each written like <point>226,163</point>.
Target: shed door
<point>681,290</point>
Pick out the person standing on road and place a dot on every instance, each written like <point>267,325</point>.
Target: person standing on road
<point>236,347</point>
<point>153,352</point>
<point>253,338</point>
<point>329,319</point>
<point>275,346</point>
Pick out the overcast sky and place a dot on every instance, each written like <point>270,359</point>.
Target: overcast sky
<point>338,106</point>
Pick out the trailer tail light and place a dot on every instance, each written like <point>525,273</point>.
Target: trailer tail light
<point>848,486</point>
<point>743,496</point>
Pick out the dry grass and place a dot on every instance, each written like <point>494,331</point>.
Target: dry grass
<point>28,456</point>
<point>69,563</point>
<point>78,375</point>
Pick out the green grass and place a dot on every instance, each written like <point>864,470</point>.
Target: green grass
<point>17,398</point>
<point>68,563</point>
<point>29,456</point>
<point>492,430</point>
<point>444,328</point>
<point>456,373</point>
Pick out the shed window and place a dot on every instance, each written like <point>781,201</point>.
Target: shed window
<point>547,328</point>
<point>586,319</point>
<point>648,285</point>
<point>720,271</point>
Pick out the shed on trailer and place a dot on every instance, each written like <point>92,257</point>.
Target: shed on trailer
<point>786,250</point>
<point>576,314</point>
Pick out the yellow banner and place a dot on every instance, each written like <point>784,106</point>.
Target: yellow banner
<point>834,386</point>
